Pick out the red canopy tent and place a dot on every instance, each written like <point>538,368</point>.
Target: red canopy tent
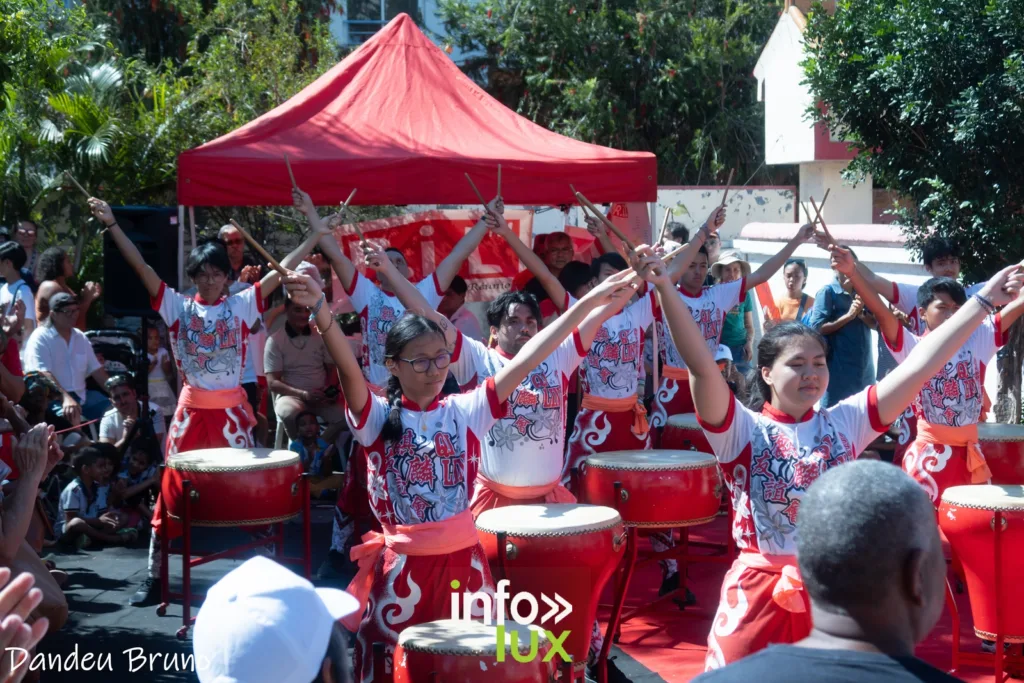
<point>398,120</point>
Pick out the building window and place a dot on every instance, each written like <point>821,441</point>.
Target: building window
<point>366,17</point>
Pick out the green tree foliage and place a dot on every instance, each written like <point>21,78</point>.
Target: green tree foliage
<point>669,77</point>
<point>932,94</point>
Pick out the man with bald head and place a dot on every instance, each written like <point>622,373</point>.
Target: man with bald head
<point>872,564</point>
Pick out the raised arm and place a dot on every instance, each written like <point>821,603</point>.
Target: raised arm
<point>899,387</point>
<point>844,262</point>
<point>272,279</point>
<point>150,280</point>
<point>342,265</point>
<point>533,263</point>
<point>768,268</point>
<point>681,262</point>
<point>876,282</point>
<point>304,291</point>
<point>619,286</point>
<point>449,267</point>
<point>711,394</point>
<point>30,455</point>
<point>596,228</point>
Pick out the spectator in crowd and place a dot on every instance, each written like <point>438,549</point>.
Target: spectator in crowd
<point>846,326</point>
<point>122,422</point>
<point>678,232</point>
<point>737,382</point>
<point>16,300</point>
<point>138,479</point>
<point>319,458</point>
<point>26,235</point>
<point>12,376</point>
<point>55,267</point>
<point>66,357</point>
<point>795,305</point>
<point>713,245</point>
<point>79,520</point>
<point>738,326</point>
<point>162,391</point>
<point>557,251</point>
<point>296,363</point>
<point>262,623</point>
<point>453,307</point>
<point>859,522</point>
<point>240,261</point>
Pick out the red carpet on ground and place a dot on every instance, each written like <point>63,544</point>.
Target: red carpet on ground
<point>672,642</point>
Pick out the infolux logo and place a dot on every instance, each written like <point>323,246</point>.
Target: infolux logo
<point>524,609</point>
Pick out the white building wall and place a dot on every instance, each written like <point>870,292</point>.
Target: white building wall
<point>847,203</point>
<point>789,134</point>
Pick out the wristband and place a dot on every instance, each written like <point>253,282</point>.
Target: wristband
<point>317,306</point>
<point>985,303</point>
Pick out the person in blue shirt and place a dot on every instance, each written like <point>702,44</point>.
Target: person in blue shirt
<point>316,454</point>
<point>846,325</point>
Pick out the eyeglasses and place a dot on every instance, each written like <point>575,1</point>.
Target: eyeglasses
<point>233,243</point>
<point>69,312</point>
<point>421,365</point>
<point>28,232</point>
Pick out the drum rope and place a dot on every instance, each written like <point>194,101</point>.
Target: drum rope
<point>83,424</point>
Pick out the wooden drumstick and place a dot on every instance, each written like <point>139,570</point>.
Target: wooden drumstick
<point>604,219</point>
<point>291,175</point>
<point>77,184</point>
<point>664,226</point>
<point>344,208</point>
<point>828,235</point>
<point>477,192</point>
<point>499,180</point>
<point>820,207</point>
<point>728,184</point>
<point>259,249</point>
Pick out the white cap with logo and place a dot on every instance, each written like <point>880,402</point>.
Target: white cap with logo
<point>263,622</point>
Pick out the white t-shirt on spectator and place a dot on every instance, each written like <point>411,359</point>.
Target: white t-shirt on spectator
<point>19,289</point>
<point>112,424</point>
<point>466,322</point>
<point>70,362</point>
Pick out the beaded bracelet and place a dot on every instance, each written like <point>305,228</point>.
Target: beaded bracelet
<point>317,306</point>
<point>985,303</point>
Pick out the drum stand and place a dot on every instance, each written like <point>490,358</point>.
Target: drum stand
<point>188,560</point>
<point>998,659</point>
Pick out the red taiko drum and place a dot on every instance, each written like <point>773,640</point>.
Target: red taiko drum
<point>467,651</point>
<point>1003,446</point>
<point>234,486</point>
<point>682,433</point>
<point>660,489</point>
<point>562,555</point>
<point>967,516</point>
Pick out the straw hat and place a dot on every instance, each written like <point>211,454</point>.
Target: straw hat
<point>726,258</point>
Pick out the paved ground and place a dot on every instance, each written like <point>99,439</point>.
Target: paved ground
<point>138,645</point>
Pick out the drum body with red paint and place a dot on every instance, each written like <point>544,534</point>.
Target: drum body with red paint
<point>660,489</point>
<point>682,433</point>
<point>1003,447</point>
<point>967,516</point>
<point>234,486</point>
<point>568,550</point>
<point>455,650</point>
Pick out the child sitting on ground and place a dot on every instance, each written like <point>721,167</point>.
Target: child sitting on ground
<point>317,455</point>
<point>78,517</point>
<point>136,483</point>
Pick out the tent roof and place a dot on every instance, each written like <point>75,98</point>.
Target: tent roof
<point>398,120</point>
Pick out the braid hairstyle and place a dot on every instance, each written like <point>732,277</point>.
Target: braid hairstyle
<point>771,345</point>
<point>408,328</point>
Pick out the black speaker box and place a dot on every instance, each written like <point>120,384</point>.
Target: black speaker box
<point>154,230</point>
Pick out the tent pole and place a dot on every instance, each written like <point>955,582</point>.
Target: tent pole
<point>181,245</point>
<point>192,225</point>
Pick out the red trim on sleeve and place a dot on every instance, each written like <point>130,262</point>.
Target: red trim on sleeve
<point>158,300</point>
<point>743,289</point>
<point>726,424</point>
<point>873,417</point>
<point>579,342</point>
<point>897,347</point>
<point>437,283</point>
<point>458,346</point>
<point>261,305</point>
<point>566,304</point>
<point>352,285</point>
<point>364,415</point>
<point>547,309</point>
<point>497,407</point>
<point>1002,336</point>
<point>895,294</point>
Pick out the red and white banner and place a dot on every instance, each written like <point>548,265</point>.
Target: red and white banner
<point>426,238</point>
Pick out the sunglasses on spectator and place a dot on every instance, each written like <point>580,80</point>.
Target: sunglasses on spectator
<point>421,365</point>
<point>233,243</point>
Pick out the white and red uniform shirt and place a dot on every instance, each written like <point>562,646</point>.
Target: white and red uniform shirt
<point>378,311</point>
<point>615,361</point>
<point>209,340</point>
<point>427,475</point>
<point>526,447</point>
<point>904,298</point>
<point>708,309</point>
<point>954,396</point>
<point>769,460</point>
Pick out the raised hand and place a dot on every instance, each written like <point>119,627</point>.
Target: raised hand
<point>249,274</point>
<point>17,600</point>
<point>716,220</point>
<point>842,259</point>
<point>594,226</point>
<point>19,311</point>
<point>376,257</point>
<point>101,210</point>
<point>1004,286</point>
<point>496,222</point>
<point>92,290</point>
<point>302,201</point>
<point>30,452</point>
<point>618,287</point>
<point>335,221</point>
<point>496,206</point>
<point>856,307</point>
<point>805,233</point>
<point>302,289</point>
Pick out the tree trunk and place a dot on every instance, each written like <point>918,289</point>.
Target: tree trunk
<point>1008,399</point>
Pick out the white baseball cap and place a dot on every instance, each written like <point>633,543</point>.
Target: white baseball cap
<point>724,353</point>
<point>263,622</point>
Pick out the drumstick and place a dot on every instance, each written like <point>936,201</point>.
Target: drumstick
<point>821,207</point>
<point>499,180</point>
<point>259,249</point>
<point>344,208</point>
<point>728,183</point>
<point>828,235</point>
<point>664,225</point>
<point>477,192</point>
<point>78,185</point>
<point>604,219</point>
<point>291,175</point>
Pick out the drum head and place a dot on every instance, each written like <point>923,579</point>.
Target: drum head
<point>231,460</point>
<point>651,460</point>
<point>684,421</point>
<point>985,497</point>
<point>990,431</point>
<point>465,638</point>
<point>548,520</point>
